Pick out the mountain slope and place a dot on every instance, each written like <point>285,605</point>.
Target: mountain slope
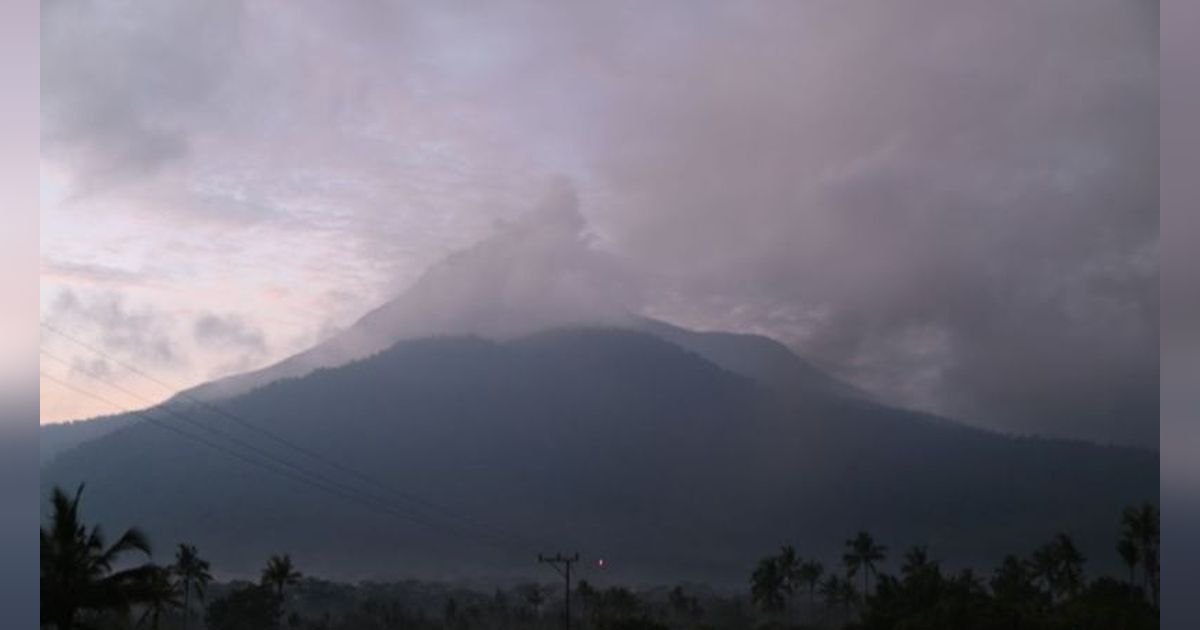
<point>752,356</point>
<point>63,436</point>
<point>617,443</point>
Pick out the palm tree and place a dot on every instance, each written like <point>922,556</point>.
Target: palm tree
<point>193,574</point>
<point>848,594</point>
<point>766,585</point>
<point>76,565</point>
<point>810,574</point>
<point>279,574</point>
<point>788,565</point>
<point>835,591</point>
<point>968,581</point>
<point>916,562</point>
<point>861,555</point>
<point>1043,568</point>
<point>1014,581</point>
<point>830,591</point>
<point>159,594</point>
<point>1059,566</point>
<point>1070,564</point>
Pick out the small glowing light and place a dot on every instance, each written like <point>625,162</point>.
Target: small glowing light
<point>600,563</point>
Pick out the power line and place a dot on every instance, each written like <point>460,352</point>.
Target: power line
<point>217,432</point>
<point>243,422</point>
<point>375,505</point>
<point>174,429</point>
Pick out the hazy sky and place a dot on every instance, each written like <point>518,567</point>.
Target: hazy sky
<point>951,203</point>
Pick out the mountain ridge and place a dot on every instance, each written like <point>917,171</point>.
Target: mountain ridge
<point>780,368</point>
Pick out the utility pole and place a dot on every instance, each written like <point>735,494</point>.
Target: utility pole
<point>562,564</point>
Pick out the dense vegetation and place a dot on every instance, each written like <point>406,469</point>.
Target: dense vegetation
<point>86,583</point>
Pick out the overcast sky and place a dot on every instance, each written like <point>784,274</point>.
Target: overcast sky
<point>953,204</point>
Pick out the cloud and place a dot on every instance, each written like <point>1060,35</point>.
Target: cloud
<point>951,203</point>
<point>121,96</point>
<point>90,274</point>
<point>540,271</point>
<point>228,331</point>
<point>239,344</point>
<point>141,334</point>
<point>958,213</point>
<point>94,367</point>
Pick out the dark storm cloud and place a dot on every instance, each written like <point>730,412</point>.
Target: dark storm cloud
<point>952,203</point>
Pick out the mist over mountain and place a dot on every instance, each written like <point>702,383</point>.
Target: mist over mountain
<point>616,442</point>
<point>538,272</point>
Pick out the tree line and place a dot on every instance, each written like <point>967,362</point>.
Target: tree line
<point>88,583</point>
<point>1047,589</point>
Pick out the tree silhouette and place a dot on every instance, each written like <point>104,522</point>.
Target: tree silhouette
<point>1141,527</point>
<point>159,594</point>
<point>193,574</point>
<point>922,578</point>
<point>682,605</point>
<point>1014,581</point>
<point>586,595</point>
<point>767,585</point>
<point>1152,568</point>
<point>280,574</point>
<point>916,562</point>
<point>1058,565</point>
<point>837,592</point>
<point>77,567</point>
<point>1070,564</point>
<point>533,595</point>
<point>788,564</point>
<point>862,554</point>
<point>810,574</point>
<point>277,576</point>
<point>621,603</point>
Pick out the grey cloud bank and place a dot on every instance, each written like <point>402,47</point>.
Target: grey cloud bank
<point>952,204</point>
